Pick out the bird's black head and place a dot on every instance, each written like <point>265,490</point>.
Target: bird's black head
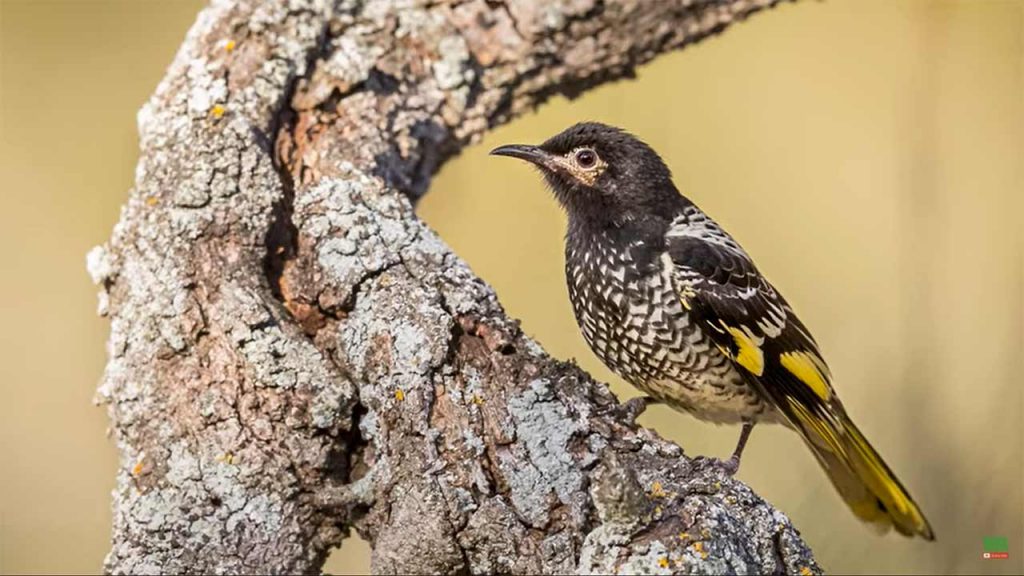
<point>603,174</point>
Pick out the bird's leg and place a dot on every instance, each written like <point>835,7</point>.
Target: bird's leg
<point>636,406</point>
<point>732,465</point>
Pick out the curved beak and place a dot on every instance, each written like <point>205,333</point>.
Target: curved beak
<point>532,154</point>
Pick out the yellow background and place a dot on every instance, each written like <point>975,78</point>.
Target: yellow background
<point>867,153</point>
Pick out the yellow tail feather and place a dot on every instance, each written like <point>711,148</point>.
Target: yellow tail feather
<point>859,474</point>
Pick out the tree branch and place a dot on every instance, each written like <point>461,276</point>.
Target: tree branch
<point>293,353</point>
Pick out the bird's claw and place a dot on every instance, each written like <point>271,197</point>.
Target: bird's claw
<point>730,465</point>
<point>634,407</point>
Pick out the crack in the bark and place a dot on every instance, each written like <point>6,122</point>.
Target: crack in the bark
<point>345,461</point>
<point>281,241</point>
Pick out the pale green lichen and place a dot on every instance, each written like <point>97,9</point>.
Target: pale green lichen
<point>543,429</point>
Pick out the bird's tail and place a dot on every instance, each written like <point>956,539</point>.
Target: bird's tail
<point>859,474</point>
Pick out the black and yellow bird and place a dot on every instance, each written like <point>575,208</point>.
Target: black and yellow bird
<point>672,303</point>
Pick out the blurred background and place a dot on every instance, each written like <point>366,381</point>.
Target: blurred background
<point>869,154</point>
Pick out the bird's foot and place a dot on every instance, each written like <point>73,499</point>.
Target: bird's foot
<point>730,465</point>
<point>636,406</point>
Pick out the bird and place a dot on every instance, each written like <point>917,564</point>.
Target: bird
<point>671,302</point>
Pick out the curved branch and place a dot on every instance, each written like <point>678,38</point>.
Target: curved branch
<point>293,353</point>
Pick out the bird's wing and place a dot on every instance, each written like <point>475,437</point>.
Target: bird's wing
<point>754,326</point>
<point>748,319</point>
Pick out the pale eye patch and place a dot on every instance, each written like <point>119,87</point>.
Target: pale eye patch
<point>584,164</point>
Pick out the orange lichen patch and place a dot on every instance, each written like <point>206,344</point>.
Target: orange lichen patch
<point>805,571</point>
<point>217,111</point>
<point>137,469</point>
<point>152,201</point>
<point>698,547</point>
<point>226,458</point>
<point>476,399</point>
<point>657,491</point>
<point>399,395</point>
<point>229,46</point>
<point>663,562</point>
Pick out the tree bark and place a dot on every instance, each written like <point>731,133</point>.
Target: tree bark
<point>294,354</point>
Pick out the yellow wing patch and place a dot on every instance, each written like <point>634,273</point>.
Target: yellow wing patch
<point>750,355</point>
<point>809,370</point>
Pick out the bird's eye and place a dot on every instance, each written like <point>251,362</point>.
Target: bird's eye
<point>585,158</point>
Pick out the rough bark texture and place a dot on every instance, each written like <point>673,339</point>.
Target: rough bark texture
<point>294,354</point>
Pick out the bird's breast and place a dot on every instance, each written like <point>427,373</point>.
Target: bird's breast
<point>630,315</point>
<point>632,318</point>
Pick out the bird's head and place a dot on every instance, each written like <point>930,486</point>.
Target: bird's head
<point>603,172</point>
